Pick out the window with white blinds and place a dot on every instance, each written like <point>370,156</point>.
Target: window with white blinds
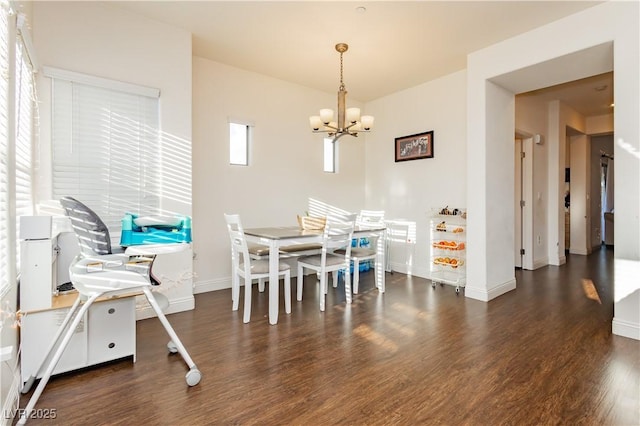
<point>18,109</point>
<point>4,149</point>
<point>25,122</point>
<point>106,148</point>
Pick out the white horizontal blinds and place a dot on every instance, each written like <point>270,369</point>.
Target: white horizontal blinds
<point>4,149</point>
<point>106,150</point>
<point>25,116</point>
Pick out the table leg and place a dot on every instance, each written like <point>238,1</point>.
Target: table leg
<point>273,281</point>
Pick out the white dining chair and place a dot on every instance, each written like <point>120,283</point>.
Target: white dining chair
<point>367,219</point>
<point>338,233</point>
<point>243,266</point>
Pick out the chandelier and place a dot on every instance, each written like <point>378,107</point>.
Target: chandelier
<point>349,120</point>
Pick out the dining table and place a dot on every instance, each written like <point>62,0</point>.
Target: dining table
<point>280,236</point>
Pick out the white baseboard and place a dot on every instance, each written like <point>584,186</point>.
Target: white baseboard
<point>582,252</point>
<point>411,270</point>
<point>216,284</point>
<point>485,296</point>
<point>539,263</point>
<point>625,329</point>
<point>175,305</point>
<point>212,285</point>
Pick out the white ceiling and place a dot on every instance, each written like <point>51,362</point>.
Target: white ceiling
<point>393,45</point>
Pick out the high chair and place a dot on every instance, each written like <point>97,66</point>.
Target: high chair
<point>98,272</point>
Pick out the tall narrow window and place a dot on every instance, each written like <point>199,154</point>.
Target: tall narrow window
<point>17,115</point>
<point>106,145</point>
<point>4,149</point>
<point>239,143</point>
<point>330,154</point>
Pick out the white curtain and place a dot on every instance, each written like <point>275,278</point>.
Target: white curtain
<point>608,189</point>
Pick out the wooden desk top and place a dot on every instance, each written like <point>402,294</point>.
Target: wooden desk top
<point>67,300</point>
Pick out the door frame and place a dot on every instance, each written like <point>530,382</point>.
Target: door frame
<point>526,212</point>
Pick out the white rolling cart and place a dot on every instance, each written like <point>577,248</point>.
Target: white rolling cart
<point>448,247</point>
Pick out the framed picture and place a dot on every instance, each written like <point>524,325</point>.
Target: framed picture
<point>414,147</point>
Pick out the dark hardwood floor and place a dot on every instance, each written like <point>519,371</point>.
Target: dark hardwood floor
<point>540,355</point>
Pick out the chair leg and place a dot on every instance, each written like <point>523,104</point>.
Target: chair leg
<point>261,282</point>
<point>356,275</point>
<point>323,290</point>
<point>58,354</point>
<point>300,280</point>
<point>334,275</point>
<point>247,299</point>
<point>287,292</point>
<point>235,291</point>
<point>194,375</point>
<point>347,285</point>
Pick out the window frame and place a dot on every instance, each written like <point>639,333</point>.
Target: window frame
<point>240,147</point>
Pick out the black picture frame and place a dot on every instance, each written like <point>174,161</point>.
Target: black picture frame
<point>414,147</point>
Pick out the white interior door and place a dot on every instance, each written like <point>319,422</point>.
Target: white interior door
<point>517,208</point>
<point>579,212</point>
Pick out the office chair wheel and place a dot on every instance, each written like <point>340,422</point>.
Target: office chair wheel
<point>172,347</point>
<point>193,376</point>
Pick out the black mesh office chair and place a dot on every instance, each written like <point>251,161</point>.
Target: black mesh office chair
<point>99,271</point>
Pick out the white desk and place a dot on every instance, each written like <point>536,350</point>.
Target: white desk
<point>276,237</point>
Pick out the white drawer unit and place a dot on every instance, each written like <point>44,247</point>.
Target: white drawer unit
<point>106,333</point>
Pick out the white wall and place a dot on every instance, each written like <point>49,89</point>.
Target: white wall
<point>409,190</point>
<point>599,124</point>
<point>285,163</point>
<point>99,40</point>
<point>526,58</point>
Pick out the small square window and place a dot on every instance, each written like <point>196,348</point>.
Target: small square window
<point>239,144</point>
